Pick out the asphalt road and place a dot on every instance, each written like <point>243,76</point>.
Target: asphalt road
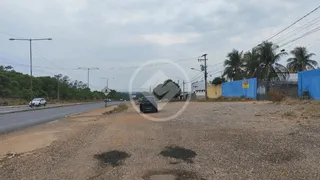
<point>19,120</point>
<point>21,108</point>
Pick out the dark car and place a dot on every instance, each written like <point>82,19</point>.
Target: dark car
<point>148,104</point>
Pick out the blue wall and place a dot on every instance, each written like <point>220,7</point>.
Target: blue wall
<point>309,80</point>
<point>234,89</point>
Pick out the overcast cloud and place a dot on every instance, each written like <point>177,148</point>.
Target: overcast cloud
<point>118,35</point>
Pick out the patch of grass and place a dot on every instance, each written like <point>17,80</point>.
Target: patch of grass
<point>119,108</point>
<point>12,102</point>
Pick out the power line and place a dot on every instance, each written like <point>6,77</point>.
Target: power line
<point>305,26</point>
<point>293,23</point>
<point>11,62</point>
<point>9,34</point>
<point>88,75</point>
<point>196,76</point>
<point>302,36</point>
<point>211,73</point>
<point>158,64</point>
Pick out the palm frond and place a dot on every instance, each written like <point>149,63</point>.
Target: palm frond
<point>310,55</point>
<point>313,62</point>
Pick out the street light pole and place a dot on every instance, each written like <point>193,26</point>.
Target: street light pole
<point>88,76</point>
<point>30,41</point>
<point>31,88</point>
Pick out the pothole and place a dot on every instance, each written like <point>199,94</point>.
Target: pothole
<point>114,158</point>
<point>179,153</point>
<point>172,175</point>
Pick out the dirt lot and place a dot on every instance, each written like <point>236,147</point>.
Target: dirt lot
<point>244,140</point>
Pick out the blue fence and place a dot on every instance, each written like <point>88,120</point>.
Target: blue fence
<point>234,89</point>
<point>310,81</point>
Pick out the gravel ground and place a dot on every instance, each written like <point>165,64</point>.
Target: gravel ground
<point>244,140</point>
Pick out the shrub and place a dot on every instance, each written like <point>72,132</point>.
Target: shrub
<point>276,96</point>
<point>119,108</point>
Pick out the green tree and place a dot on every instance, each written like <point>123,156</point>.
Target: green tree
<point>218,80</point>
<point>301,60</point>
<point>270,68</point>
<point>234,65</point>
<point>17,85</point>
<point>114,95</point>
<point>252,63</point>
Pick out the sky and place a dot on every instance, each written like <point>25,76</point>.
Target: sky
<point>118,37</point>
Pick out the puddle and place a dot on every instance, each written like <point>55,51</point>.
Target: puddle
<point>179,153</point>
<point>114,158</point>
<point>172,175</point>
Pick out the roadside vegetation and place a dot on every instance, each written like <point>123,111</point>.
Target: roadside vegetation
<point>16,85</point>
<point>15,89</point>
<point>119,108</point>
<point>262,62</point>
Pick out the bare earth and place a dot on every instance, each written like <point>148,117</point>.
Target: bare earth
<point>232,140</point>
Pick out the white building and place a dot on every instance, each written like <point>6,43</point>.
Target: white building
<point>198,88</point>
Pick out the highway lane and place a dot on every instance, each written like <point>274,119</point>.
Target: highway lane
<point>19,120</point>
<point>21,108</point>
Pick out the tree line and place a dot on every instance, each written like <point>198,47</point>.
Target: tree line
<point>14,84</point>
<point>262,62</point>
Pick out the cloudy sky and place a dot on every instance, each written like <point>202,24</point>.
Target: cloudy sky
<point>119,36</point>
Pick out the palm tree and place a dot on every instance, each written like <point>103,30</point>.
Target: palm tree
<point>251,61</point>
<point>234,65</point>
<point>301,60</point>
<point>270,68</point>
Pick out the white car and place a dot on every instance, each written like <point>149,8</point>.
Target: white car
<point>38,102</point>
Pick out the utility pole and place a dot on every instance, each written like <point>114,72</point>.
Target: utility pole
<point>58,92</point>
<point>205,73</point>
<point>88,76</point>
<point>30,45</point>
<point>183,83</point>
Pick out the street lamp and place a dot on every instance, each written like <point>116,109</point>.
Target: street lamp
<point>196,69</point>
<point>30,41</point>
<point>88,76</point>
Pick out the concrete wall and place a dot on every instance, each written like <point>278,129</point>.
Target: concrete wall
<point>214,91</point>
<point>310,81</point>
<point>234,89</point>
